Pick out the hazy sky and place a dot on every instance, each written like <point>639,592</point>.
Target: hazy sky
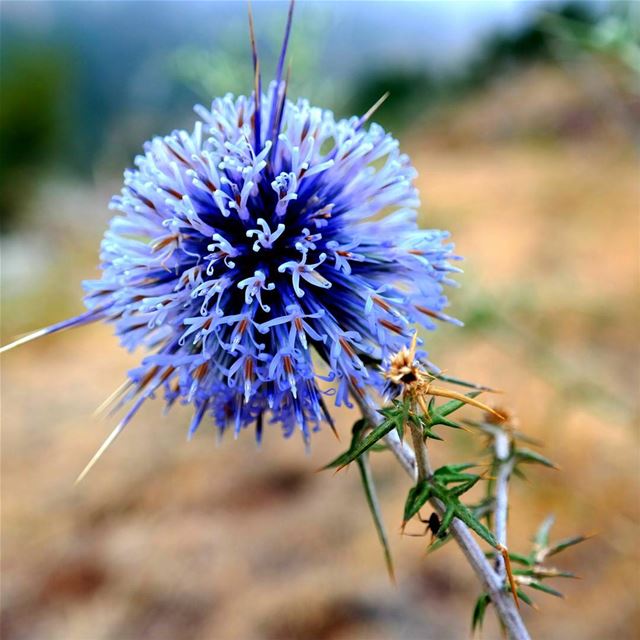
<point>439,32</point>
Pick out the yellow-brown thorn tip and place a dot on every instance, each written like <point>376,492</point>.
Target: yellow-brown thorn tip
<point>414,339</point>
<point>23,339</point>
<point>485,476</point>
<point>483,388</point>
<point>392,574</point>
<point>454,395</point>
<point>112,397</point>
<point>98,454</point>
<point>507,565</point>
<point>254,52</point>
<point>423,405</point>
<point>252,33</point>
<point>334,431</point>
<point>373,108</point>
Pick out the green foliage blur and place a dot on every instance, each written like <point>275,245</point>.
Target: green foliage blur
<point>31,125</point>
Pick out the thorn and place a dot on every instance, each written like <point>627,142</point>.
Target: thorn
<point>441,375</point>
<point>423,406</point>
<point>285,42</point>
<point>326,468</point>
<point>507,564</point>
<point>273,122</point>
<point>446,393</point>
<point>84,318</point>
<point>414,341</point>
<point>105,445</point>
<point>366,117</point>
<point>24,339</point>
<point>115,433</point>
<point>252,33</point>
<point>103,406</point>
<point>256,78</point>
<point>392,573</point>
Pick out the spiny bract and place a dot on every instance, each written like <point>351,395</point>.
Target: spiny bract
<point>234,260</point>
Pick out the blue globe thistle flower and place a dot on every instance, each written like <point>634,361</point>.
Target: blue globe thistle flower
<point>268,253</point>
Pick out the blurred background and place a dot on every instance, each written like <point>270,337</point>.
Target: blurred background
<point>522,119</point>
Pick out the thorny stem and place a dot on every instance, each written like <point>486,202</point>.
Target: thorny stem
<point>503,469</point>
<point>493,584</point>
<point>422,455</point>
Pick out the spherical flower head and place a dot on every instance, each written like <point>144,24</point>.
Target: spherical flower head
<point>267,259</point>
<point>238,255</point>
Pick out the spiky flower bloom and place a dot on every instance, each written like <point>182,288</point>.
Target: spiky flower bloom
<point>269,233</point>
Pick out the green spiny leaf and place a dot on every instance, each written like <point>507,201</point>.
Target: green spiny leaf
<point>453,477</point>
<point>424,425</point>
<point>532,573</point>
<point>518,473</point>
<point>454,474</point>
<point>565,574</point>
<point>465,486</point>
<point>417,497</point>
<point>479,610</point>
<point>462,512</point>
<point>436,487</point>
<point>358,427</point>
<point>526,455</point>
<point>446,520</point>
<point>374,506</point>
<point>398,414</point>
<point>439,542</point>
<point>546,588</point>
<point>478,511</point>
<point>361,445</point>
<point>541,538</point>
<point>484,508</point>
<point>428,433</point>
<point>473,523</point>
<point>561,545</point>
<point>521,559</point>
<point>524,597</point>
<point>454,468</point>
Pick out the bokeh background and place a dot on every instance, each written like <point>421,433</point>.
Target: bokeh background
<point>523,121</point>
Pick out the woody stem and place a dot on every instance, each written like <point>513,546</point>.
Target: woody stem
<point>504,467</point>
<point>416,464</point>
<point>423,465</point>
